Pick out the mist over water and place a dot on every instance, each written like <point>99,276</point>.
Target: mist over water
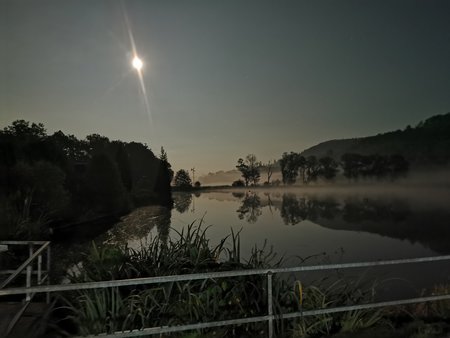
<point>312,226</point>
<point>322,225</point>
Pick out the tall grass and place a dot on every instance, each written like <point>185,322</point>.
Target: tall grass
<point>126,308</point>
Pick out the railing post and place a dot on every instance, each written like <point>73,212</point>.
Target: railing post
<point>29,272</point>
<point>269,303</point>
<point>39,270</point>
<point>47,298</point>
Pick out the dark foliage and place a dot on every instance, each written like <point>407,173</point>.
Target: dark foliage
<point>249,169</point>
<point>182,179</point>
<point>48,178</point>
<point>374,166</point>
<point>427,144</point>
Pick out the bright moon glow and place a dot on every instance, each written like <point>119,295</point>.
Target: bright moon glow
<point>137,63</point>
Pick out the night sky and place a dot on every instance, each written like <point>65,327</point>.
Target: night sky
<point>225,78</point>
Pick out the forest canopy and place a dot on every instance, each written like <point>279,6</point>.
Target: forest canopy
<point>47,178</point>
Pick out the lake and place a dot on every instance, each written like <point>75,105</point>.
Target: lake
<point>323,225</point>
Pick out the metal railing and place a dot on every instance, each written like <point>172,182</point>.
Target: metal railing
<point>27,267</point>
<point>270,317</point>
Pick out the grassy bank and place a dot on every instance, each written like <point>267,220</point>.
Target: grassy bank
<point>120,309</point>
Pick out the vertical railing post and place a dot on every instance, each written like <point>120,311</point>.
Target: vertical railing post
<point>47,298</point>
<point>269,303</point>
<point>39,270</point>
<point>29,272</point>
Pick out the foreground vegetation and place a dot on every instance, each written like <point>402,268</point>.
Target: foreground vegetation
<point>125,308</point>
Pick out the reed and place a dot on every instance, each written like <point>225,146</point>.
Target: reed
<point>126,308</point>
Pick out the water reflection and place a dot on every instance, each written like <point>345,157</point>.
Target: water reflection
<point>163,226</point>
<point>239,195</point>
<point>358,210</point>
<point>295,209</point>
<point>385,215</point>
<point>182,202</point>
<point>250,208</point>
<point>137,225</point>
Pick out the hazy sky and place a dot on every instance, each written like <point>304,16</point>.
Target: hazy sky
<point>225,78</point>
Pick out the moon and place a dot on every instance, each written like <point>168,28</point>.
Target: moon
<point>137,63</point>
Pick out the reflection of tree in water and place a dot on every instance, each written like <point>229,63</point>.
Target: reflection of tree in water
<point>250,209</point>
<point>163,224</point>
<point>358,210</point>
<point>294,210</point>
<point>182,201</point>
<point>291,210</point>
<point>239,195</point>
<point>138,224</point>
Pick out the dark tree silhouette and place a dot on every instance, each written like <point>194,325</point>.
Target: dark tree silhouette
<point>289,167</point>
<point>182,179</point>
<point>328,168</point>
<point>312,169</point>
<point>123,164</point>
<point>238,183</point>
<point>95,175</point>
<point>249,169</point>
<point>104,188</point>
<point>374,166</point>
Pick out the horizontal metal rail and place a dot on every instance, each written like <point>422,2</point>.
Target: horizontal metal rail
<point>210,275</point>
<point>226,274</point>
<point>25,264</point>
<point>7,272</point>
<point>240,321</point>
<point>23,242</point>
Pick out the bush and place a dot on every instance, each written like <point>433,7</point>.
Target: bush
<point>238,183</point>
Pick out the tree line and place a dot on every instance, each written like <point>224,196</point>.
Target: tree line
<point>45,178</point>
<point>296,168</point>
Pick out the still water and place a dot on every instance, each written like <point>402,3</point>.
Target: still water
<point>341,225</point>
<point>322,225</point>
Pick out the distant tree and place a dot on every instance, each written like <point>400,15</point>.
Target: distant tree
<point>23,129</point>
<point>269,170</point>
<point>374,166</point>
<point>238,183</point>
<point>398,166</point>
<point>182,179</point>
<point>163,155</point>
<point>97,143</point>
<point>197,184</point>
<point>166,167</point>
<point>249,169</point>
<point>276,182</point>
<point>312,169</point>
<point>289,164</point>
<point>75,150</point>
<point>351,165</point>
<point>301,165</point>
<point>243,168</point>
<point>328,168</point>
